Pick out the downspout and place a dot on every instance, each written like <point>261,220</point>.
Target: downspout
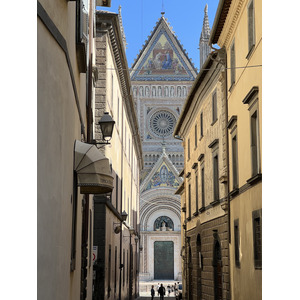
<point>228,169</point>
<point>121,205</point>
<point>90,72</point>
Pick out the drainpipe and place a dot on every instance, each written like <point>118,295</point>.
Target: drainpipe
<point>121,205</point>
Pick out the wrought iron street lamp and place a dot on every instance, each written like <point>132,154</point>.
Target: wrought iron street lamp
<point>106,124</point>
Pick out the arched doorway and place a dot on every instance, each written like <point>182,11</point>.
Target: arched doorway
<point>217,263</point>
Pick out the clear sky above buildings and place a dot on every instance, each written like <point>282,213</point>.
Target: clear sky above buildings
<point>186,17</point>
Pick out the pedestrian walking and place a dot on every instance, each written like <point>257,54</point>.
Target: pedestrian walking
<point>157,289</point>
<point>152,292</point>
<point>169,290</point>
<point>161,291</point>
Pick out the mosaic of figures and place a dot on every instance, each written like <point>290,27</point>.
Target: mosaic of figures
<point>163,178</point>
<point>166,91</point>
<point>162,60</point>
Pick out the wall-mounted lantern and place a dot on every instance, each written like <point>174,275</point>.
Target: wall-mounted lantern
<point>117,226</point>
<point>106,124</point>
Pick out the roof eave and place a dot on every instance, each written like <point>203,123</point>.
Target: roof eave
<point>220,18</point>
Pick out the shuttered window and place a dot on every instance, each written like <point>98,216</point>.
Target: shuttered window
<point>234,162</point>
<point>202,188</point>
<point>201,125</point>
<point>216,177</point>
<point>237,242</point>
<point>251,30</point>
<point>197,196</point>
<point>214,107</point>
<point>257,238</point>
<point>254,143</point>
<point>232,64</point>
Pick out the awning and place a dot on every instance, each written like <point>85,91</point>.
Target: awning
<point>93,170</point>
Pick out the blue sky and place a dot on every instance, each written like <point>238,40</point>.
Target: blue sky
<point>186,18</point>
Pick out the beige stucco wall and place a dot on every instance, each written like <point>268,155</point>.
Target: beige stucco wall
<point>58,128</point>
<point>246,281</point>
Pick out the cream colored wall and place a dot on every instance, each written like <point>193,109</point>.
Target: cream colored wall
<point>58,128</point>
<point>245,80</point>
<point>246,281</point>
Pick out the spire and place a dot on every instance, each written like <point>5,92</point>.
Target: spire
<point>122,28</point>
<point>204,38</point>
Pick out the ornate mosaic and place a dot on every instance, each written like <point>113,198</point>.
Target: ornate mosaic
<point>163,177</point>
<point>162,62</point>
<point>162,123</point>
<point>163,221</point>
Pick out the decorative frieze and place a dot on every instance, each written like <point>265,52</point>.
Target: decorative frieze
<point>160,91</point>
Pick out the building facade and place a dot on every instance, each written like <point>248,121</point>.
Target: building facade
<point>202,126</point>
<point>64,222</point>
<point>161,77</point>
<point>86,189</point>
<point>116,241</point>
<point>238,29</point>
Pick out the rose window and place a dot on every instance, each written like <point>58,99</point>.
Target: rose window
<point>162,123</point>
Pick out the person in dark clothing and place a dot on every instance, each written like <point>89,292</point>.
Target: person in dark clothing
<point>152,292</point>
<point>161,291</point>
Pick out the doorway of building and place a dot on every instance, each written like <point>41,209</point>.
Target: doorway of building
<point>217,271</point>
<point>164,260</point>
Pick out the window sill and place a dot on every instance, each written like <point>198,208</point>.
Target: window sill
<point>234,192</point>
<point>215,202</point>
<point>201,209</point>
<point>232,87</point>
<point>255,179</point>
<point>250,52</point>
<point>214,122</point>
<point>258,267</point>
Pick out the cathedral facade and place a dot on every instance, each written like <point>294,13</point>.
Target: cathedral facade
<point>161,77</point>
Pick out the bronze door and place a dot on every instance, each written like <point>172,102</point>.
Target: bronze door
<point>164,260</point>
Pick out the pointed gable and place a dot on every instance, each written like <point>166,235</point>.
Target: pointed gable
<point>163,58</point>
<point>163,175</point>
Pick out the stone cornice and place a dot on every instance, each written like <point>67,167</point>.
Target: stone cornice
<point>254,90</point>
<point>117,45</point>
<point>213,143</point>
<point>230,23</point>
<point>232,120</point>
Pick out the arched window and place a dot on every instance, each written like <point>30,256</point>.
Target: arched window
<point>163,223</point>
